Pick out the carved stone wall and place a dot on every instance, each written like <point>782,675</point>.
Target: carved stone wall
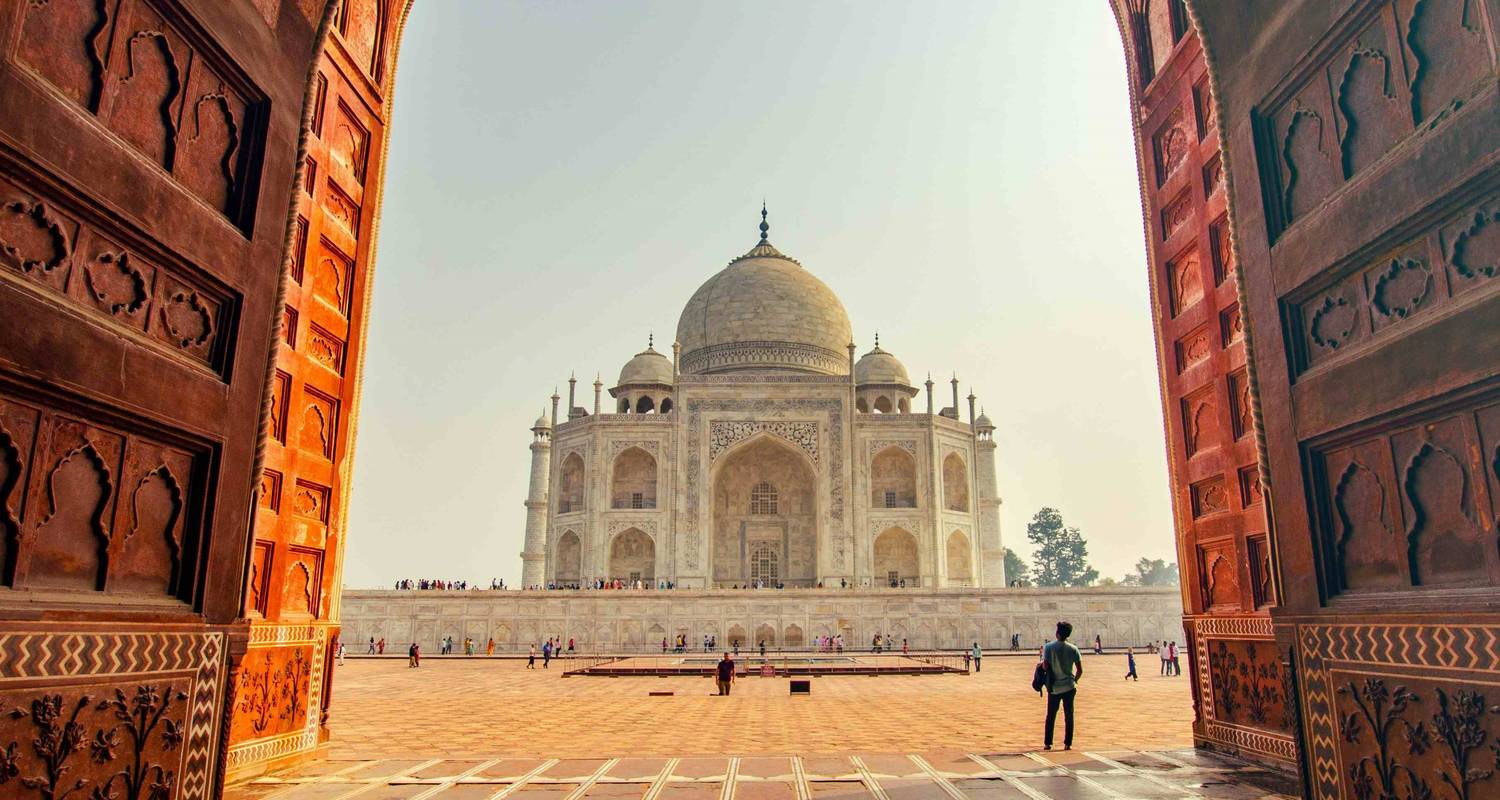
<point>1218,507</point>
<point>1360,156</point>
<point>281,710</point>
<point>145,206</point>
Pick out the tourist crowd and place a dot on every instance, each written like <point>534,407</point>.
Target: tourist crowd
<point>426,584</point>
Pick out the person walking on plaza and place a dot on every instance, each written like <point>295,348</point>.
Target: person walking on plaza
<point>1130,663</point>
<point>1165,653</point>
<point>468,645</point>
<point>371,651</point>
<point>1065,668</point>
<point>1176,665</point>
<point>380,646</point>
<point>546,654</point>
<point>762,648</point>
<point>489,648</point>
<point>904,649</point>
<point>341,651</point>
<point>413,656</point>
<point>978,654</point>
<point>1098,645</point>
<point>570,645</point>
<point>726,675</point>
<point>531,657</point>
<point>663,645</point>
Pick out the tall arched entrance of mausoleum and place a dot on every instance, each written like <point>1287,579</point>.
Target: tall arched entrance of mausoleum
<point>765,518</point>
<point>189,207</point>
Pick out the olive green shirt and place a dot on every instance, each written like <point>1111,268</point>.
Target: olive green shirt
<point>1062,658</point>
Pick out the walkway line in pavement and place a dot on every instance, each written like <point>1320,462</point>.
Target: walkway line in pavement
<point>1020,785</point>
<point>1142,774</point>
<point>731,775</point>
<point>869,779</point>
<point>942,781</point>
<point>588,783</point>
<point>333,777</point>
<point>1177,762</point>
<point>444,784</point>
<point>396,780</point>
<point>524,779</point>
<point>1076,775</point>
<point>661,780</point>
<point>799,779</point>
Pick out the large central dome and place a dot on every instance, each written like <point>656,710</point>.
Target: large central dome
<point>764,313</point>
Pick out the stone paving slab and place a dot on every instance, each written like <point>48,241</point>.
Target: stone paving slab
<point>1065,775</point>
<point>491,730</point>
<point>475,708</point>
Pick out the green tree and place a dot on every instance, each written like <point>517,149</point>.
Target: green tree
<point>1062,556</point>
<point>1015,569</point>
<point>1153,572</point>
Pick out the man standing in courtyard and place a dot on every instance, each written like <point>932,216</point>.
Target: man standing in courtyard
<point>726,675</point>
<point>1130,663</point>
<point>1065,665</point>
<point>546,654</point>
<point>978,654</point>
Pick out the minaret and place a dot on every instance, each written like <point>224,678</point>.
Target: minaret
<point>534,556</point>
<point>555,398</point>
<point>676,355</point>
<point>599,387</point>
<point>955,395</point>
<point>573,392</point>
<point>991,551</point>
<point>971,400</point>
<point>929,394</point>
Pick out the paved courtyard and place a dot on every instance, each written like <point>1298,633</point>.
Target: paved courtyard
<point>476,728</point>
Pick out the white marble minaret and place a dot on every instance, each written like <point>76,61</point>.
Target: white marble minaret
<point>991,551</point>
<point>534,556</point>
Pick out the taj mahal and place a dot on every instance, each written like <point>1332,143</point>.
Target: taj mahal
<point>762,453</point>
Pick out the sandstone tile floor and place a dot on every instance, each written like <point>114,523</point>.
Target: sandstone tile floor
<point>483,729</point>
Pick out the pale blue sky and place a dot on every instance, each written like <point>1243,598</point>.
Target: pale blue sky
<point>563,175</point>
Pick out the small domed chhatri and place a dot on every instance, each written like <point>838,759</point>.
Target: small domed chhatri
<point>645,382</point>
<point>761,453</point>
<point>882,384</point>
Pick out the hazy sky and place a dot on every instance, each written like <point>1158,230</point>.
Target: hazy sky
<point>563,176</point>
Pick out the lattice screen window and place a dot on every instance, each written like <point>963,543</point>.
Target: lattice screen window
<point>637,500</point>
<point>763,499</point>
<point>765,565</point>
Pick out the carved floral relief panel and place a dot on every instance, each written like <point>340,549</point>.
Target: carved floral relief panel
<point>271,692</point>
<point>320,423</point>
<point>1194,348</point>
<point>1248,686</point>
<point>1219,579</point>
<point>1199,423</point>
<point>178,104</point>
<point>117,284</point>
<point>93,508</point>
<point>1413,717</point>
<point>109,738</point>
<point>1406,66</point>
<point>1375,297</point>
<point>1412,507</point>
<point>1171,146</point>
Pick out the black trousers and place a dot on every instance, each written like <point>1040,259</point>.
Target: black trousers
<point>1064,699</point>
